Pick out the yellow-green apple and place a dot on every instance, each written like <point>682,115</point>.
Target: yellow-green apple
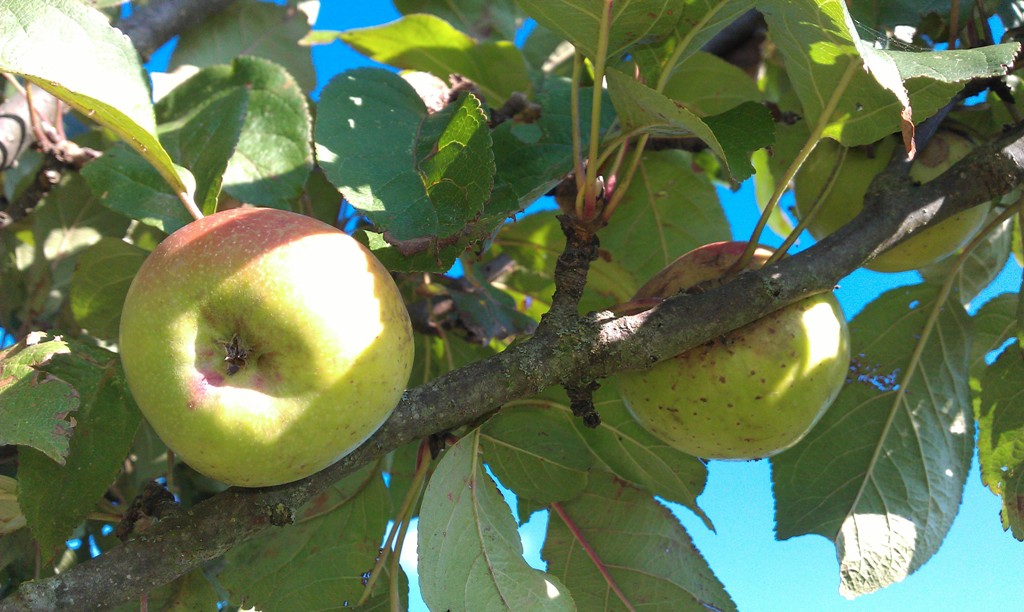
<point>850,177</point>
<point>752,392</point>
<point>264,345</point>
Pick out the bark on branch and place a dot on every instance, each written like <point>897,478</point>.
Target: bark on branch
<point>589,347</point>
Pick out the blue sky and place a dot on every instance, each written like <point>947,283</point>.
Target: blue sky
<point>979,567</point>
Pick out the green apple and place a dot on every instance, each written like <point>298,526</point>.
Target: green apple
<point>263,345</point>
<point>845,198</point>
<point>751,393</point>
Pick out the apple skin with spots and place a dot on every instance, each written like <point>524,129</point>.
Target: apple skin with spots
<point>751,393</point>
<point>845,198</point>
<point>263,345</point>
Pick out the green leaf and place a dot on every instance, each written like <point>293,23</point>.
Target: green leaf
<point>534,450</point>
<point>430,44</point>
<point>412,174</point>
<point>670,208</point>
<point>647,555</point>
<point>205,139</point>
<point>1001,435</point>
<point>732,135</point>
<point>993,324</point>
<point>101,280</point>
<point>102,78</point>
<point>57,498</point>
<point>487,312</point>
<point>632,22</point>
<point>709,85</point>
<point>249,27</point>
<point>882,473</point>
<point>478,18</point>
<point>11,517</point>
<point>826,61</point>
<point>470,554</point>
<point>982,266</point>
<point>35,408</point>
<point>699,22</point>
<point>334,541</point>
<point>270,158</point>
<point>128,184</point>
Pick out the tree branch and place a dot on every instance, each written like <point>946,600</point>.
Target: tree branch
<point>595,346</point>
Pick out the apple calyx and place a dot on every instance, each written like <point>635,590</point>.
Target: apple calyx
<point>236,355</point>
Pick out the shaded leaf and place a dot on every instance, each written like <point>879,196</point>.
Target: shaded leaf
<point>11,517</point>
<point>882,473</point>
<point>101,280</point>
<point>489,313</point>
<point>670,208</point>
<point>982,266</point>
<point>35,408</point>
<point>478,18</point>
<point>641,546</point>
<point>334,540</point>
<point>412,174</point>
<point>733,135</point>
<point>57,498</point>
<point>269,160</point>
<point>126,183</point>
<point>470,554</point>
<point>993,324</point>
<point>253,28</point>
<point>1001,435</point>
<point>709,85</point>
<point>189,592</point>
<point>579,21</point>
<point>430,44</point>
<point>102,79</point>
<point>533,449</point>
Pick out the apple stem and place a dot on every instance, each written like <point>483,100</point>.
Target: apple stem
<point>598,563</point>
<point>190,205</point>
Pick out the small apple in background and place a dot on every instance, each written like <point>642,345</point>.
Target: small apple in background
<point>263,345</point>
<point>846,197</point>
<point>751,393</point>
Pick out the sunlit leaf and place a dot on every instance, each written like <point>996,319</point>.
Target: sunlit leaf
<point>478,18</point>
<point>1001,435</point>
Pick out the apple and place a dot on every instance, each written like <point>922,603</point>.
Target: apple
<point>263,345</point>
<point>750,393</point>
<point>846,197</point>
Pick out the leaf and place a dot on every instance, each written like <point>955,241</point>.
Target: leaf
<point>334,541</point>
<point>579,21</point>
<point>732,135</point>
<point>205,139</point>
<point>101,280</point>
<point>126,183</point>
<point>641,546</point>
<point>57,498</point>
<point>709,85</point>
<point>1001,435</point>
<point>882,473</point>
<point>470,554</point>
<point>699,22</point>
<point>412,174</point>
<point>993,324</point>
<point>479,18</point>
<point>487,312</point>
<point>430,44</point>
<point>269,160</point>
<point>982,266</point>
<point>670,208</point>
<point>534,450</point>
<point>11,517</point>
<point>35,408</point>
<point>826,60</point>
<point>253,28</point>
<point>102,79</point>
